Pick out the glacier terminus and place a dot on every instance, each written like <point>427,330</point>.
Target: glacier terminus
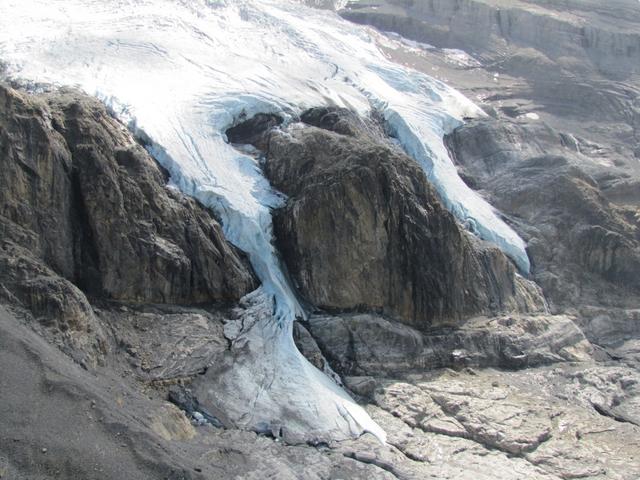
<point>180,73</point>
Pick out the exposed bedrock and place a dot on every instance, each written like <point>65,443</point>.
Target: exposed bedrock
<point>363,230</point>
<point>572,420</point>
<point>85,210</point>
<point>577,35</point>
<point>369,345</point>
<point>584,248</point>
<point>575,63</point>
<point>86,200</point>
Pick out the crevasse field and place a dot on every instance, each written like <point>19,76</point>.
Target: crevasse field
<point>181,72</point>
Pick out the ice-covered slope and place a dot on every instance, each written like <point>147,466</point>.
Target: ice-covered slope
<point>181,72</point>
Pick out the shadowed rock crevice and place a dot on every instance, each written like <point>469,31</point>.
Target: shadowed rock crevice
<point>87,270</point>
<point>251,130</point>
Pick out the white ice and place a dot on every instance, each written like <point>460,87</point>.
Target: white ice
<point>287,395</point>
<point>181,72</point>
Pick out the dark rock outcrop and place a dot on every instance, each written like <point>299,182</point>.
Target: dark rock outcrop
<point>84,210</point>
<point>89,202</point>
<point>364,231</point>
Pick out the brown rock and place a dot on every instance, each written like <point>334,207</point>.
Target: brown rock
<point>363,230</point>
<point>88,201</point>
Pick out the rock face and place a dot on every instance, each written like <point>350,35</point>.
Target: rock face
<point>363,230</point>
<point>433,329</point>
<point>83,206</point>
<point>572,65</point>
<point>582,245</point>
<point>59,306</point>
<point>368,345</point>
<point>84,210</point>
<point>541,420</point>
<point>87,201</point>
<point>580,29</point>
<point>166,343</point>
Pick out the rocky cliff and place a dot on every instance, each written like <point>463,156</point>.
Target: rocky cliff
<point>88,201</point>
<point>86,212</point>
<point>133,281</point>
<point>363,230</point>
<point>576,30</point>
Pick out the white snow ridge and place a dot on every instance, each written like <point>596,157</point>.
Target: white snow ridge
<point>183,71</point>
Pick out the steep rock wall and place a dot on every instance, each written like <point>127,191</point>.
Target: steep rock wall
<point>86,200</point>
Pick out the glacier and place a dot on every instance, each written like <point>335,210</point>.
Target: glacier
<point>181,72</point>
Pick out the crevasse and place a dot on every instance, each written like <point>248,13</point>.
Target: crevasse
<point>180,72</point>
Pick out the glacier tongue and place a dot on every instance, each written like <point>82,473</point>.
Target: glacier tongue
<point>181,72</point>
<point>264,384</point>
